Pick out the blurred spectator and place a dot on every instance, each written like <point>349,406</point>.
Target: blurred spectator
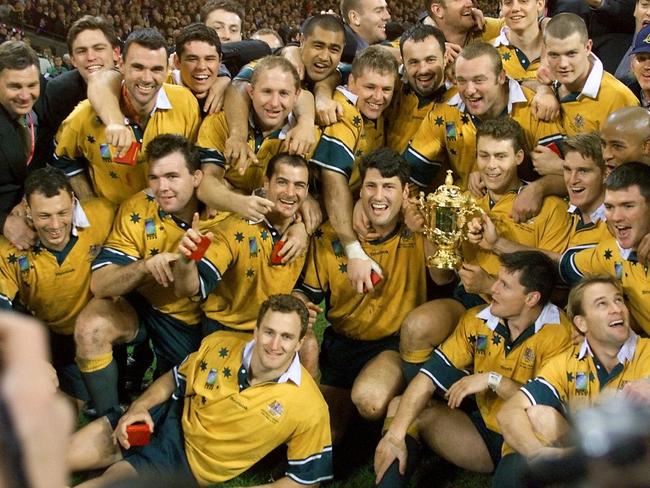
<point>57,68</point>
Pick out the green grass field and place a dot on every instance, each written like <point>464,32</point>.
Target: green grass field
<point>353,460</point>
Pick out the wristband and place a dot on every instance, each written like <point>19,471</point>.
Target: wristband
<point>355,251</point>
<point>493,380</point>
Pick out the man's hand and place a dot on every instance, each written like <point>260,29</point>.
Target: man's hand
<point>475,279</point>
<point>252,207</point>
<point>469,385</point>
<point>413,217</point>
<point>528,203</point>
<point>475,184</point>
<point>482,232</point>
<point>119,136</point>
<point>638,391</point>
<point>300,140</point>
<point>160,267</point>
<point>389,449</point>
<point>216,94</point>
<point>361,224</point>
<point>295,245</point>
<point>544,105</point>
<point>19,231</point>
<point>359,275</point>
<point>238,153</point>
<point>328,111</point>
<point>451,52</point>
<point>311,214</point>
<point>546,161</point>
<point>132,416</point>
<point>192,238</point>
<point>478,18</point>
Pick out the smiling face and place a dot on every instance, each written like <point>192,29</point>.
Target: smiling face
<point>52,218</point>
<point>321,52</point>
<point>521,15</point>
<point>584,181</point>
<point>497,162</point>
<point>627,215</point>
<point>287,189</point>
<point>606,319</point>
<point>172,184</point>
<point>382,199</point>
<point>227,24</point>
<point>199,66</point>
<point>508,295</point>
<point>375,91</point>
<point>455,13</point>
<point>623,146</point>
<point>424,65</point>
<point>641,14</point>
<point>144,73</point>
<point>641,68</point>
<point>371,19</point>
<point>273,96</point>
<point>19,89</point>
<point>92,52</point>
<point>480,88</point>
<point>277,340</point>
<point>568,60</point>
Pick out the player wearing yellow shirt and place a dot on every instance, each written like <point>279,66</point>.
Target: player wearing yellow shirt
<point>503,344</point>
<point>500,152</point>
<point>223,409</point>
<point>458,20</point>
<point>422,86</point>
<point>52,279</point>
<point>520,41</point>
<point>625,136</point>
<point>627,200</point>
<point>359,360</point>
<point>242,270</point>
<point>368,94</point>
<point>609,360</point>
<point>448,133</point>
<point>151,107</point>
<point>132,277</point>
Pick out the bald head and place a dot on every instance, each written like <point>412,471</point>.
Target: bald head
<point>625,136</point>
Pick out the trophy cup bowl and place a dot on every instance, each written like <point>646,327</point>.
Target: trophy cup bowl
<point>447,212</point>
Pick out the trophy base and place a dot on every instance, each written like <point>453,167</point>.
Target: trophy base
<point>445,259</point>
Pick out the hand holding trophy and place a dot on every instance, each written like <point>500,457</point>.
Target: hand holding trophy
<point>447,212</point>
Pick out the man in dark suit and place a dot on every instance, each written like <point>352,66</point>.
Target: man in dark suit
<point>19,90</point>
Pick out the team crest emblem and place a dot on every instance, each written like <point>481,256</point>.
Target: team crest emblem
<point>582,382</point>
<point>275,409</point>
<point>528,358</point>
<point>337,248</point>
<point>105,153</point>
<point>481,343</point>
<point>150,229</point>
<point>450,129</point>
<point>618,270</point>
<point>252,247</point>
<point>211,379</point>
<point>579,121</point>
<point>23,264</point>
<point>94,251</point>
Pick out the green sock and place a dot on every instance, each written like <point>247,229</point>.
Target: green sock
<point>102,386</point>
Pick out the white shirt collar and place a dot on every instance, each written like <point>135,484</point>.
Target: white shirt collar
<point>625,253</point>
<point>347,94</point>
<point>79,218</point>
<point>293,372</point>
<point>176,76</point>
<point>596,216</point>
<point>291,122</point>
<point>625,353</point>
<point>515,95</point>
<point>550,314</point>
<point>502,38</point>
<point>162,102</point>
<point>594,80</point>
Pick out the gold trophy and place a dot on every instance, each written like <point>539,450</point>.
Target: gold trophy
<point>446,213</point>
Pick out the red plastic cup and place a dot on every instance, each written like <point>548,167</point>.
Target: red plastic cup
<point>130,157</point>
<point>374,278</point>
<point>138,434</point>
<point>275,258</point>
<point>201,247</point>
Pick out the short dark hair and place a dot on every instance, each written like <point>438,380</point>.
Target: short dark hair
<point>538,272</point>
<point>374,58</point>
<point>478,49</point>
<point>272,61</point>
<point>285,304</point>
<point>346,6</point>
<point>285,158</point>
<point>564,25</point>
<point>588,145</point>
<point>166,144</point>
<point>575,305</point>
<point>227,5</point>
<point>630,174</point>
<point>326,22</point>
<point>149,38</point>
<point>90,22</point>
<point>503,129</point>
<point>197,32</point>
<point>17,55</point>
<point>49,181</point>
<point>420,32</point>
<point>388,162</point>
<point>268,32</point>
